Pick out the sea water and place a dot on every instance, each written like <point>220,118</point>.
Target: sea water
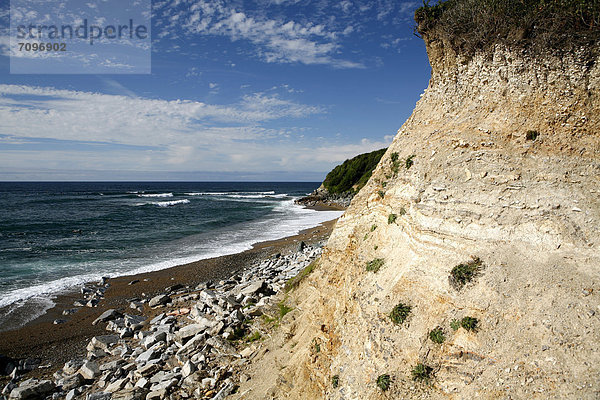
<point>55,236</point>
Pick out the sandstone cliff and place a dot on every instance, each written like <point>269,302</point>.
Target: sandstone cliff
<point>504,165</point>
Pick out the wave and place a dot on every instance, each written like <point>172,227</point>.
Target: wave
<point>156,195</point>
<point>164,203</point>
<point>232,194</point>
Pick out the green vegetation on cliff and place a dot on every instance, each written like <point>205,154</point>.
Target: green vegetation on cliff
<point>353,174</point>
<point>469,25</point>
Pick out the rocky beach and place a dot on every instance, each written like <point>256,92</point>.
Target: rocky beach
<point>183,332</point>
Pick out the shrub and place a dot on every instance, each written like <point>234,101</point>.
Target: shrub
<point>532,135</point>
<point>421,372</point>
<point>335,381</point>
<point>375,265</point>
<point>366,236</point>
<point>383,382</point>
<point>353,172</point>
<point>392,218</point>
<point>394,157</point>
<point>373,227</point>
<point>470,25</point>
<point>464,273</point>
<point>400,313</point>
<point>402,211</point>
<point>437,335</point>
<point>409,161</point>
<point>381,194</point>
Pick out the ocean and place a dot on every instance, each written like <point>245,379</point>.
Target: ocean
<point>55,236</point>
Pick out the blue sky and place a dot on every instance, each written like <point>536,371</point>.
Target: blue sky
<point>239,90</point>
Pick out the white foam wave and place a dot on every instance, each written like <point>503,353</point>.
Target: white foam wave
<point>164,203</point>
<point>235,194</point>
<point>156,195</point>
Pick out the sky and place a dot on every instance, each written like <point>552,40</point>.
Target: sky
<point>263,90</point>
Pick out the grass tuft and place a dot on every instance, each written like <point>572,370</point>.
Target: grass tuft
<point>468,323</point>
<point>421,372</point>
<point>465,273</point>
<point>295,281</point>
<point>254,337</point>
<point>284,309</point>
<point>400,313</point>
<point>383,382</point>
<point>375,265</point>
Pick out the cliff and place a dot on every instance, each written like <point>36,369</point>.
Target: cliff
<point>499,163</point>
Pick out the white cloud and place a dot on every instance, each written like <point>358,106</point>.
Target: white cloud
<point>278,41</point>
<point>92,131</point>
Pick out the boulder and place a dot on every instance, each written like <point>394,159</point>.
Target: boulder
<point>70,382</point>
<point>107,315</point>
<point>136,393</point>
<point>189,331</point>
<point>159,300</point>
<point>99,396</point>
<point>150,354</point>
<point>89,370</point>
<point>103,342</point>
<point>32,389</point>
<point>251,289</point>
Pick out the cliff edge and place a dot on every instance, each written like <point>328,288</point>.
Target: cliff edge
<point>479,224</point>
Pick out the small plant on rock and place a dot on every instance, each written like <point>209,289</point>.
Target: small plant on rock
<point>283,309</point>
<point>254,337</point>
<point>409,161</point>
<point>437,335</point>
<point>383,382</point>
<point>464,273</point>
<point>375,265</point>
<point>316,346</point>
<point>455,324</point>
<point>402,211</point>
<point>394,157</point>
<point>373,227</point>
<point>381,194</point>
<point>335,381</point>
<point>531,135</point>
<point>421,372</point>
<point>469,323</point>
<point>392,218</point>
<point>400,313</point>
<point>295,281</point>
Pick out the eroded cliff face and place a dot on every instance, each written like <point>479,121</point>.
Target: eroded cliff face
<point>529,209</point>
